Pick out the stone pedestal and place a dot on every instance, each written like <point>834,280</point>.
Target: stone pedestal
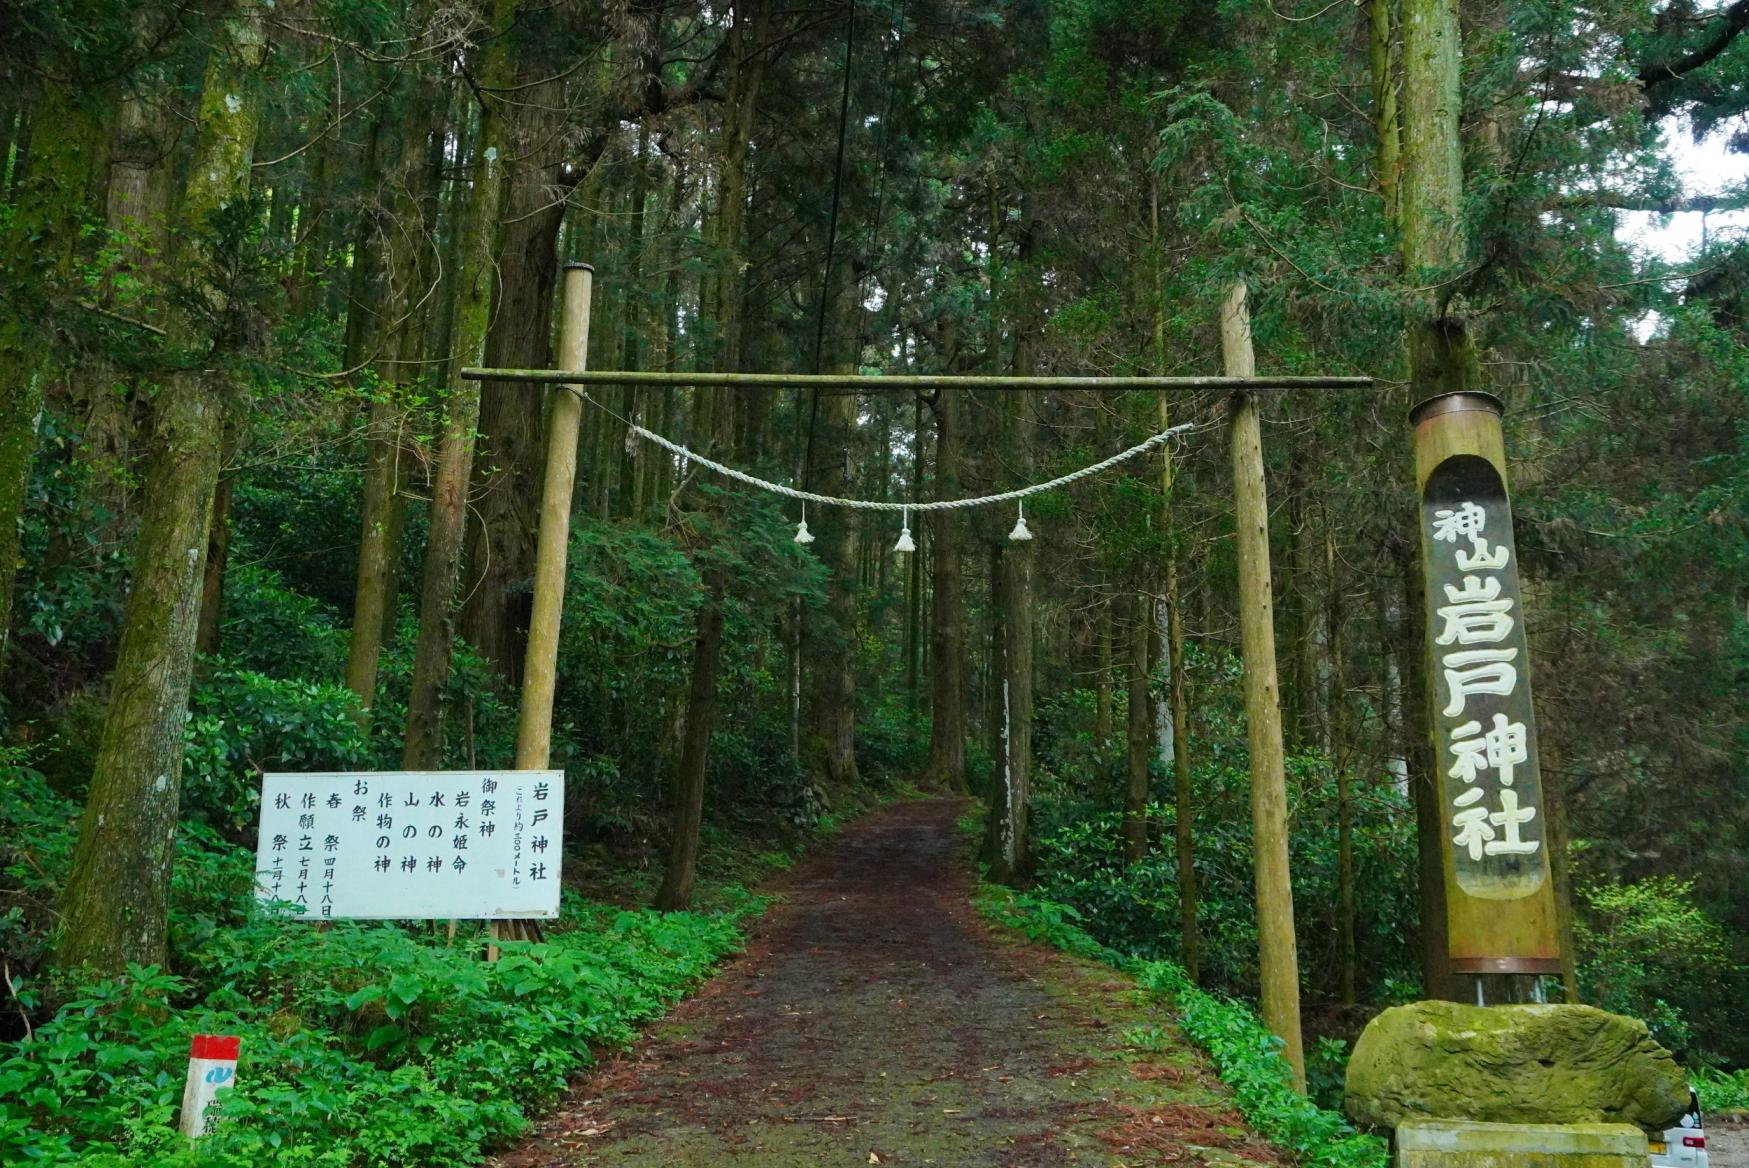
<point>1456,1143</point>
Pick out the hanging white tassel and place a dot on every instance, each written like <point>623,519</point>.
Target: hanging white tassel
<point>905,543</point>
<point>1020,534</point>
<point>803,535</point>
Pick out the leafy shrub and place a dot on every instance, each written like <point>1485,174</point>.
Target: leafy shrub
<point>243,723</point>
<point>1647,947</point>
<point>270,629</point>
<point>1722,1092</point>
<point>366,1045</point>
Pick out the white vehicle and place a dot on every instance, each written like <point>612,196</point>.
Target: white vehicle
<point>1682,1146</point>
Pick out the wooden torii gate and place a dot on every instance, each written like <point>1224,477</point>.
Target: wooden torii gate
<point>1277,959</point>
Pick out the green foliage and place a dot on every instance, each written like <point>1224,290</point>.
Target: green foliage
<point>1246,1054</point>
<point>1723,1092</point>
<point>366,1045</point>
<point>1651,952</point>
<point>243,723</point>
<point>1134,908</point>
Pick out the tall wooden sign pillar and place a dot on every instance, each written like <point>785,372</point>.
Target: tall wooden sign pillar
<point>1499,893</point>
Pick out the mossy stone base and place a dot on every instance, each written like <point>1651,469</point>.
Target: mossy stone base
<point>1553,1064</point>
<point>1456,1143</point>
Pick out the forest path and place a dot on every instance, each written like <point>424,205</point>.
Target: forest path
<point>875,1018</point>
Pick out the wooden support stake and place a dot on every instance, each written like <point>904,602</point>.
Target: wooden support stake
<point>1278,963</point>
<point>534,727</point>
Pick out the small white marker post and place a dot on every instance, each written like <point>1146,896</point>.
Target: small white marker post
<point>212,1066</point>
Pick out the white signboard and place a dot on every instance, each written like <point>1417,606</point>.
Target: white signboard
<point>412,845</point>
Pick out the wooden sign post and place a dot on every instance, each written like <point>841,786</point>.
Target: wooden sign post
<point>1500,897</point>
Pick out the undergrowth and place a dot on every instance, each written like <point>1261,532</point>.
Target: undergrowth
<point>1723,1093</point>
<point>1246,1054</point>
<point>366,1045</point>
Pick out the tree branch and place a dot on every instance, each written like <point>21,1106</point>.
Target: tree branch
<point>1662,73</point>
<point>1612,200</point>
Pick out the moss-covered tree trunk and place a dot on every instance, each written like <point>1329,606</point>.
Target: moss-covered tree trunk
<point>434,649</point>
<point>38,248</point>
<point>1441,355</point>
<point>508,470</point>
<point>115,907</point>
<point>382,510</point>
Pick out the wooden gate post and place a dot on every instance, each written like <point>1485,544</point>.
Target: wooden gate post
<point>1500,907</point>
<point>1277,959</point>
<point>534,724</point>
<point>540,663</point>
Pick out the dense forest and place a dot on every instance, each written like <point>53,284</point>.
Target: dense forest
<point>253,518</point>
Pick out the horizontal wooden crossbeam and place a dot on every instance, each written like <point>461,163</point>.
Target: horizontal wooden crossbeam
<point>912,381</point>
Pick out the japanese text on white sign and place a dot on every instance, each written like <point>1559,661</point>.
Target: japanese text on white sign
<point>412,845</point>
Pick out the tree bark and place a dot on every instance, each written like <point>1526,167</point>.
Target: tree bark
<point>1104,634</point>
<point>947,636</point>
<point>1335,706</point>
<point>38,260</point>
<point>835,637</point>
<point>1382,55</point>
<point>115,907</point>
<point>1139,739</point>
<point>433,651</point>
<point>218,556</point>
<point>701,713</point>
<point>1442,359</point>
<point>507,470</point>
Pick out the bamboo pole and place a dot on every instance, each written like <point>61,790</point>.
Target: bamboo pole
<point>862,383</point>
<point>1278,963</point>
<point>534,726</point>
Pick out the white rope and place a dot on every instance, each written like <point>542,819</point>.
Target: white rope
<point>688,455</point>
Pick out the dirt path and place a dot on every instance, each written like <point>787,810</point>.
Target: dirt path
<point>876,1019</point>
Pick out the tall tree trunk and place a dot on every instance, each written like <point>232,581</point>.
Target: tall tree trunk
<point>1336,711</point>
<point>1139,740</point>
<point>423,749</point>
<point>1189,941</point>
<point>1441,352</point>
<point>39,241</point>
<point>508,465</point>
<point>947,631</point>
<point>378,546</point>
<point>1011,802</point>
<point>1382,54</point>
<point>115,907</point>
<point>701,713</point>
<point>218,557</point>
<point>383,510</point>
<point>1104,634</point>
<point>835,637</point>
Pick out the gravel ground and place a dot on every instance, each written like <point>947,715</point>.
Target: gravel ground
<point>1727,1145</point>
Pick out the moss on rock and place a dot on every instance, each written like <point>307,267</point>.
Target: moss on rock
<point>1511,1064</point>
